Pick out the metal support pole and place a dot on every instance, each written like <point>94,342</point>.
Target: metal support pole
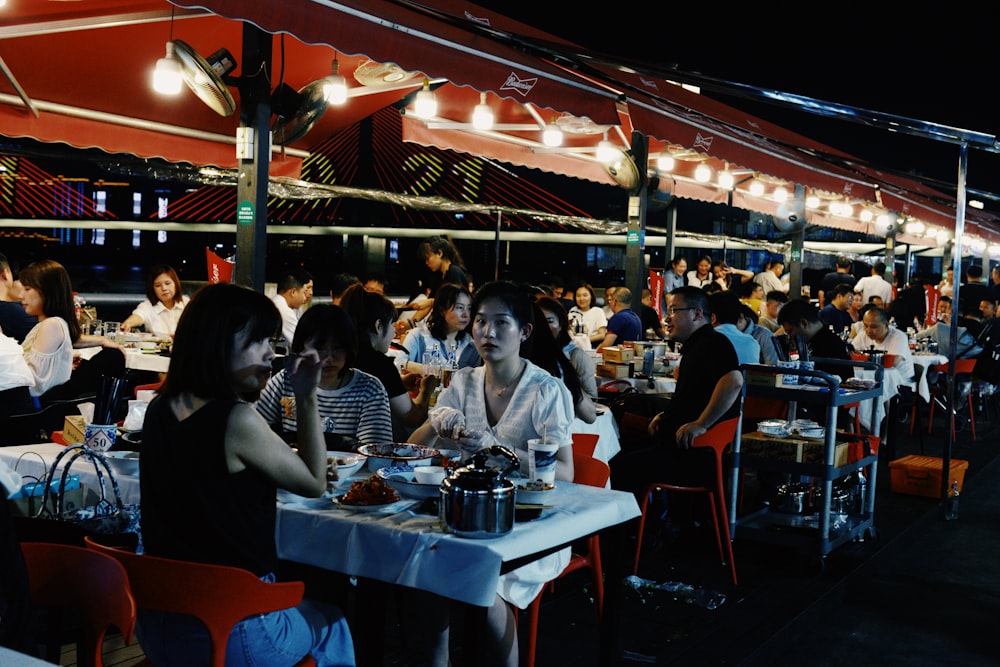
<point>255,125</point>
<point>635,270</point>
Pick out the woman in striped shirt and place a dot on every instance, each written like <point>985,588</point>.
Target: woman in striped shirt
<point>353,405</point>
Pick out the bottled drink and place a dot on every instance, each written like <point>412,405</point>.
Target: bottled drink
<point>951,505</point>
<point>78,304</point>
<point>647,363</point>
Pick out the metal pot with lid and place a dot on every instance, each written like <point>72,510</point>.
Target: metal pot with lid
<point>477,501</point>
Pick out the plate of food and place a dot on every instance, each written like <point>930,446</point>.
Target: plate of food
<point>367,495</point>
<point>397,454</point>
<point>403,480</point>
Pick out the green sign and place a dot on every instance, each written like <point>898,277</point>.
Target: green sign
<point>245,213</point>
<point>796,254</point>
<point>633,237</point>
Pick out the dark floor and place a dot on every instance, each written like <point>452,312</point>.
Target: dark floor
<point>925,592</point>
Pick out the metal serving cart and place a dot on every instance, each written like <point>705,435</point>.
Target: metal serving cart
<point>815,534</point>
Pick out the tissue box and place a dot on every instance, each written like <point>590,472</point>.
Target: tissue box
<point>613,371</point>
<point>617,355</point>
<point>73,429</point>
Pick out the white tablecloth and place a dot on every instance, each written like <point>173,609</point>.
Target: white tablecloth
<point>10,658</point>
<point>927,360</point>
<point>405,548</point>
<point>134,359</point>
<point>607,431</point>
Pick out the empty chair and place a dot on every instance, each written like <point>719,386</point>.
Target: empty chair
<point>718,438</point>
<point>584,444</point>
<point>939,395</point>
<point>94,587</point>
<point>217,595</point>
<point>593,472</point>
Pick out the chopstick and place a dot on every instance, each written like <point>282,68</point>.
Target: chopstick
<point>531,506</point>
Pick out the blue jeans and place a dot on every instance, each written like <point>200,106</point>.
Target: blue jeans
<point>278,639</point>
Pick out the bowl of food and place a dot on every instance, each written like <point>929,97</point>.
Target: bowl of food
<point>449,459</point>
<point>347,464</point>
<point>775,428</point>
<point>812,432</point>
<point>404,481</point>
<point>532,492</point>
<point>397,454</point>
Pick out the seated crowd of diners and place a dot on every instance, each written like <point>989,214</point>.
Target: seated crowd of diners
<point>521,365</point>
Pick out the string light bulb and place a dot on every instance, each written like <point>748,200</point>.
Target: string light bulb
<point>606,151</point>
<point>703,173</point>
<point>666,162</point>
<point>482,114</point>
<point>552,136</point>
<point>425,104</point>
<point>726,180</point>
<point>167,77</point>
<point>335,85</point>
<point>756,188</point>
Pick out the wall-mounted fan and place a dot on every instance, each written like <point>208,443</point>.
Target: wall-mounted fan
<point>310,108</point>
<point>791,214</point>
<point>624,170</point>
<point>204,76</point>
<point>375,75</point>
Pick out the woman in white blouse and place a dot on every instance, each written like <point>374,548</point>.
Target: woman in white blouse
<point>48,347</point>
<point>163,305</point>
<point>506,401</point>
<point>586,315</point>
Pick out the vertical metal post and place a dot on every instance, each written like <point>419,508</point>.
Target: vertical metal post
<point>496,250</point>
<point>890,257</point>
<point>963,168</point>
<point>795,265</point>
<point>635,269</point>
<point>251,191</point>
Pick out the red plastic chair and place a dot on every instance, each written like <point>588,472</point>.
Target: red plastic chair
<point>962,366</point>
<point>155,386</point>
<point>593,472</point>
<point>719,437</point>
<point>217,595</point>
<point>90,584</point>
<point>584,444</point>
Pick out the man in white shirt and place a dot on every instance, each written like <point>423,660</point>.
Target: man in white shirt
<point>875,285</point>
<point>879,335</point>
<point>770,278</point>
<point>295,289</point>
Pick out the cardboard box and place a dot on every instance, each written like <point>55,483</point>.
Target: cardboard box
<point>73,429</point>
<point>799,450</point>
<point>617,355</point>
<point>764,379</point>
<point>921,475</point>
<point>613,371</point>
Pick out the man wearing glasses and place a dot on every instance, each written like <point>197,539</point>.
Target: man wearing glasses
<point>708,386</point>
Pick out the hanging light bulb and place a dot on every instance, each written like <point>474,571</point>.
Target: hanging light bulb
<point>756,188</point>
<point>335,85</point>
<point>606,151</point>
<point>812,201</point>
<point>916,228</point>
<point>167,78</point>
<point>482,115</point>
<point>726,180</point>
<point>780,194</point>
<point>552,136</point>
<point>425,104</point>
<point>703,173</point>
<point>666,162</point>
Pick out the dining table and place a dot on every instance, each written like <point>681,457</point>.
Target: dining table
<point>892,379</point>
<point>135,358</point>
<point>401,544</point>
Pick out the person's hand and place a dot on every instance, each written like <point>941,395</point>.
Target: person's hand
<point>447,422</point>
<point>112,345</point>
<point>401,327</point>
<point>687,433</point>
<point>427,384</point>
<point>475,441</point>
<point>654,424</point>
<point>411,382</point>
<point>303,370</point>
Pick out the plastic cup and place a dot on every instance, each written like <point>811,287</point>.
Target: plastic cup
<point>542,459</point>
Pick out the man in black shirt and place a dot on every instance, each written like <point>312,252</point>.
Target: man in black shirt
<point>14,321</point>
<point>800,318</point>
<point>840,275</point>
<point>708,387</point>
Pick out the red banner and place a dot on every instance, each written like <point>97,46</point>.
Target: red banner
<point>933,295</point>
<point>656,290</point>
<point>219,269</point>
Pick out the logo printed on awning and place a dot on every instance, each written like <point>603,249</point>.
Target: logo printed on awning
<point>703,142</point>
<point>517,84</point>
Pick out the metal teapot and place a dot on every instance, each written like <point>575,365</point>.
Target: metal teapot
<point>477,501</point>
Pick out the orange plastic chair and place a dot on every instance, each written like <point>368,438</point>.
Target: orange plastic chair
<point>593,472</point>
<point>962,366</point>
<point>217,595</point>
<point>719,437</point>
<point>584,444</point>
<point>91,585</point>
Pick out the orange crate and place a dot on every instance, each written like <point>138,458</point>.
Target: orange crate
<point>921,475</point>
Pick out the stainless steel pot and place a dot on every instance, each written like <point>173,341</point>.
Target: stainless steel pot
<point>794,498</point>
<point>477,501</point>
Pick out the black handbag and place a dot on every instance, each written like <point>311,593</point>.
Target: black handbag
<point>108,515</point>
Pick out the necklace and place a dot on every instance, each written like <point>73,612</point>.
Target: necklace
<point>502,390</point>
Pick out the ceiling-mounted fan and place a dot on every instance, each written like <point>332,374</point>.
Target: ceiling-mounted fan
<point>205,76</point>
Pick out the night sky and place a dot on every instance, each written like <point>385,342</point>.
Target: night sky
<point>899,60</point>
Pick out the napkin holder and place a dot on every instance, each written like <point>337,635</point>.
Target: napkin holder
<point>73,429</point>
